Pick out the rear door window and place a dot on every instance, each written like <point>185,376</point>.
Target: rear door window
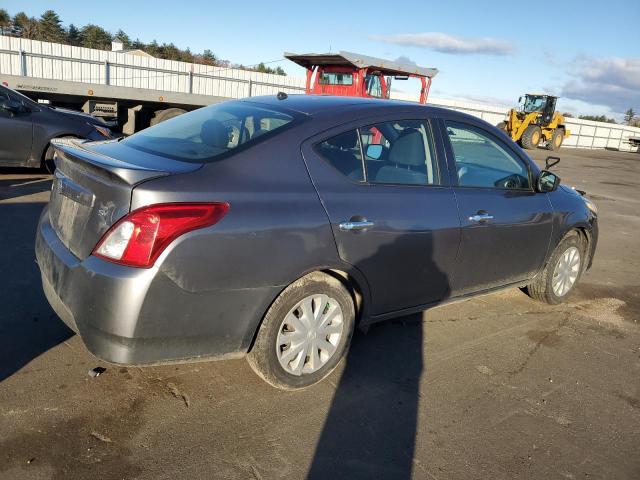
<point>400,152</point>
<point>343,152</point>
<point>209,133</point>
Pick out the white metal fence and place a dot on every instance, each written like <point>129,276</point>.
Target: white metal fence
<point>54,61</point>
<point>31,58</point>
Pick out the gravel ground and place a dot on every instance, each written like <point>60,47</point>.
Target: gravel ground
<point>495,387</point>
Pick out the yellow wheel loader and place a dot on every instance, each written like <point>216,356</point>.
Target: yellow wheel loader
<point>536,121</point>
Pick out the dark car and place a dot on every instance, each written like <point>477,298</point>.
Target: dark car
<point>273,225</point>
<point>27,127</point>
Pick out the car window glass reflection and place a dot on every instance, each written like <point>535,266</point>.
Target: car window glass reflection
<point>343,153</point>
<point>399,152</point>
<point>483,162</point>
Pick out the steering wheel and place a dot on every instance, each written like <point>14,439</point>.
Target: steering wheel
<point>510,182</point>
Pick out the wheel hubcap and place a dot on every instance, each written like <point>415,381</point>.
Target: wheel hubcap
<point>566,271</point>
<point>309,334</point>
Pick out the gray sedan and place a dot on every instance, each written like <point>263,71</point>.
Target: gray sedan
<point>270,227</point>
<point>27,127</point>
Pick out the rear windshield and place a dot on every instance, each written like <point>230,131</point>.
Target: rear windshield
<point>209,133</point>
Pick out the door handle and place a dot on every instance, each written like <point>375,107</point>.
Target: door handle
<point>356,225</point>
<point>480,217</point>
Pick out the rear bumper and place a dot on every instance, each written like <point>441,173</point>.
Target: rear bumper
<point>140,316</point>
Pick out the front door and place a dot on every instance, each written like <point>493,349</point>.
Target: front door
<point>392,212</point>
<point>506,225</point>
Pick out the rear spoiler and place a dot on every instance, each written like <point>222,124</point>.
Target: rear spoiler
<point>73,152</point>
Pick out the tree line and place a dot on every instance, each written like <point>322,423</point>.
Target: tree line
<point>630,118</point>
<point>49,28</point>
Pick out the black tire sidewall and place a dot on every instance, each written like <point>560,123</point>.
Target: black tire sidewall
<point>47,162</point>
<point>263,357</point>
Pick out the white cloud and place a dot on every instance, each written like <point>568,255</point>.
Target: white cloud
<point>614,82</point>
<point>445,43</point>
<point>406,60</point>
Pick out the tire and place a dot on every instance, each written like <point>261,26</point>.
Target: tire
<point>268,353</point>
<point>502,126</point>
<point>163,115</point>
<point>47,159</point>
<point>556,140</point>
<point>531,137</point>
<point>542,287</point>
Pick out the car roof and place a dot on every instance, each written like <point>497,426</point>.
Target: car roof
<point>312,104</point>
<point>325,108</point>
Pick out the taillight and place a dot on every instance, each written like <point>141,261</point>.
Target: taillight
<point>139,238</point>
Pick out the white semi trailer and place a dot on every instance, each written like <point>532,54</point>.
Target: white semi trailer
<point>127,86</point>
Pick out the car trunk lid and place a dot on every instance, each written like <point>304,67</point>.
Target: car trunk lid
<point>92,188</point>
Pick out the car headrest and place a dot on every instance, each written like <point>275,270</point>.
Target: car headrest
<point>408,149</point>
<point>259,132</point>
<point>346,140</point>
<point>214,133</point>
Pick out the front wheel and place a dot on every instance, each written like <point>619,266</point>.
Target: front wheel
<point>556,140</point>
<point>163,115</point>
<point>562,272</point>
<point>305,333</point>
<point>531,137</point>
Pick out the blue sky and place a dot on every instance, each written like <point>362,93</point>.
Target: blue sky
<point>588,52</point>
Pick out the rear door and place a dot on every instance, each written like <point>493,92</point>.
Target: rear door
<point>506,225</point>
<point>16,134</point>
<point>392,211</point>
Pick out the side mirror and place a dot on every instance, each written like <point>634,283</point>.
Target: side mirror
<point>551,162</point>
<point>374,151</point>
<point>519,99</point>
<point>547,182</point>
<point>10,106</point>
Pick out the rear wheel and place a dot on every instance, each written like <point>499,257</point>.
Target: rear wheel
<point>562,272</point>
<point>305,333</point>
<point>163,115</point>
<point>556,139</point>
<point>531,137</point>
<point>47,159</point>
